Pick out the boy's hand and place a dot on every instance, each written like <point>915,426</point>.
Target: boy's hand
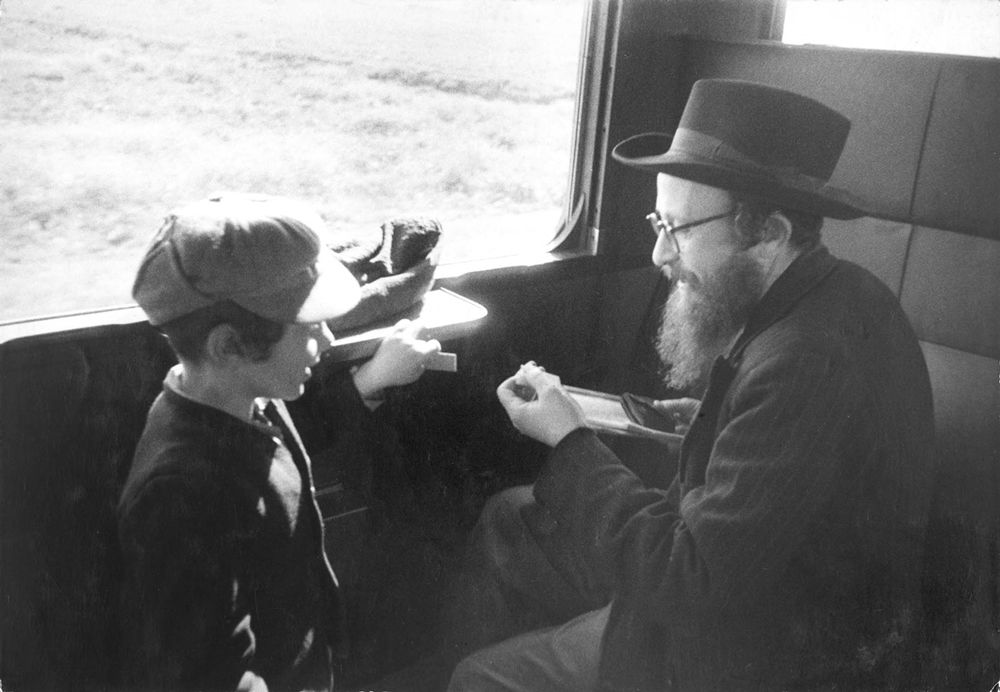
<point>538,406</point>
<point>681,410</point>
<point>399,360</point>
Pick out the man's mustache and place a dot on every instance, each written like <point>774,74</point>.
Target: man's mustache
<point>680,274</point>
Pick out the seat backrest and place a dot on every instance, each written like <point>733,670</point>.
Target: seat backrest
<point>72,407</point>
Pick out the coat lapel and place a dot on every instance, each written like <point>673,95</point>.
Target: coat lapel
<point>804,274</point>
<point>801,277</point>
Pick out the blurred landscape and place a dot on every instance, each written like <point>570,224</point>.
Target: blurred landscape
<point>114,112</point>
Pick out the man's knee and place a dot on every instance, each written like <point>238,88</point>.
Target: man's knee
<point>503,509</point>
<point>485,607</point>
<point>564,657</point>
<point>501,532</point>
<point>470,675</point>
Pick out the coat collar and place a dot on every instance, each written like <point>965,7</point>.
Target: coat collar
<point>801,276</point>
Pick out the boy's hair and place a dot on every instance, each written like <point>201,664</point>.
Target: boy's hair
<point>256,335</point>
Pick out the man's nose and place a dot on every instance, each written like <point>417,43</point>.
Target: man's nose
<point>664,252</point>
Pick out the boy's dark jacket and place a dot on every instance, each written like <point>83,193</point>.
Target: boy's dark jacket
<point>226,582</point>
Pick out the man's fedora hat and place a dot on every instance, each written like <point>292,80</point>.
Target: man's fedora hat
<point>752,139</point>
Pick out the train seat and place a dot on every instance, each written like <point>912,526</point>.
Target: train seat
<point>73,407</point>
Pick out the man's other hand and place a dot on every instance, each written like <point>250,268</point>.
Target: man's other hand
<point>682,411</point>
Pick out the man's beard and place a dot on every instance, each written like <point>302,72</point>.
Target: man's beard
<point>700,319</point>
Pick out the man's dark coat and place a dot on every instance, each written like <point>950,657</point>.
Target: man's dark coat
<point>786,553</point>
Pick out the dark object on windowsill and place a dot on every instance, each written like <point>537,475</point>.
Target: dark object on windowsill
<point>394,272</point>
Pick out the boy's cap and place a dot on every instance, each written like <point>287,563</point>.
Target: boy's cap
<point>261,252</point>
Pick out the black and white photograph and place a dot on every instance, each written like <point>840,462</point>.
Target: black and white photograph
<point>499,345</point>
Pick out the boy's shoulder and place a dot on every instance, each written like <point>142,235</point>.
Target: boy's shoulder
<point>187,445</point>
<point>174,449</point>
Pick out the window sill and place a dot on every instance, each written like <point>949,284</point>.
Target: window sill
<point>455,276</point>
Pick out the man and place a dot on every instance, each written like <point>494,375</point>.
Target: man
<point>785,554</point>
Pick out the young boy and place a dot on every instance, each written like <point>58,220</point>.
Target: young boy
<point>226,583</point>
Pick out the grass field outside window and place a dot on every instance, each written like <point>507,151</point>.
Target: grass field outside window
<point>115,111</point>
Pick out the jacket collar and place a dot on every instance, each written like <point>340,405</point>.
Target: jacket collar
<point>218,418</point>
<point>801,276</point>
<point>243,446</point>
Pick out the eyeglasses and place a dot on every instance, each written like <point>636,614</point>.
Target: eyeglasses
<point>661,225</point>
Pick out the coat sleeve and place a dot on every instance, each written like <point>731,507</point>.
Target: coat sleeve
<point>189,623</point>
<point>718,545</point>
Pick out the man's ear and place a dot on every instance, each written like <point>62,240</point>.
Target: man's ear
<point>775,235</point>
<point>777,227</point>
<point>222,344</point>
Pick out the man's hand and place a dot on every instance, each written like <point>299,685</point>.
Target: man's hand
<point>399,360</point>
<point>538,406</point>
<point>680,410</point>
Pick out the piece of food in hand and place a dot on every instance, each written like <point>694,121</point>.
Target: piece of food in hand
<point>525,391</point>
<point>443,361</point>
<point>521,386</point>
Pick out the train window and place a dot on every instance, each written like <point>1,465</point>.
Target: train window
<point>116,110</point>
<point>962,27</point>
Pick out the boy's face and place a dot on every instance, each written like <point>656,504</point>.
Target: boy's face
<point>284,374</point>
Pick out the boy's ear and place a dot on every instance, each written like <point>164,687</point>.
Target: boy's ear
<point>222,344</point>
